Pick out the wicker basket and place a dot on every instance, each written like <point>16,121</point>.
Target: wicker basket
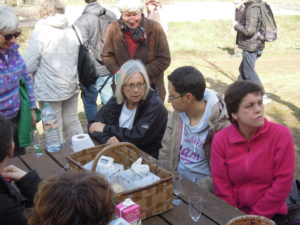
<point>153,199</point>
<point>250,219</point>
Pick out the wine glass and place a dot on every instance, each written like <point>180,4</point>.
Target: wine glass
<point>177,185</point>
<point>36,142</point>
<point>195,207</point>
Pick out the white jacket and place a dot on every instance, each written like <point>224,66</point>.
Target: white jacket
<point>51,56</point>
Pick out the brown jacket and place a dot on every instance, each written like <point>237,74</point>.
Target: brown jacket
<point>156,56</point>
<point>247,29</point>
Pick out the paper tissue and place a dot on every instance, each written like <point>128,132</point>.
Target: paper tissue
<point>81,141</point>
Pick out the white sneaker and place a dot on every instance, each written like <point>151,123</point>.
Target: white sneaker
<point>266,100</point>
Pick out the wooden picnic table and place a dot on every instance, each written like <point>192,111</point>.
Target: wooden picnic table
<point>215,211</point>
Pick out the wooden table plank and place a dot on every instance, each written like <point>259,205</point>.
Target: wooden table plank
<point>16,161</point>
<point>154,220</point>
<point>44,165</point>
<point>60,156</point>
<point>179,215</point>
<point>213,207</point>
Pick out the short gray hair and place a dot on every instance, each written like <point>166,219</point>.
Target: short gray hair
<point>130,5</point>
<point>128,69</point>
<point>8,19</point>
<point>50,8</point>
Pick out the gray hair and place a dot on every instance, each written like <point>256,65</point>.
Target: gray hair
<point>127,70</point>
<point>8,19</point>
<point>50,8</point>
<point>130,5</point>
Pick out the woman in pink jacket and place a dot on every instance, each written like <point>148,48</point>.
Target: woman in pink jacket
<point>252,160</point>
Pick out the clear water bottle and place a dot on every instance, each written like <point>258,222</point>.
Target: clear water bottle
<point>50,128</point>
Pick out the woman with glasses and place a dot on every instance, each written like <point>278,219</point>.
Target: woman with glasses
<point>52,56</point>
<point>133,36</point>
<point>252,160</point>
<point>136,114</point>
<point>12,69</point>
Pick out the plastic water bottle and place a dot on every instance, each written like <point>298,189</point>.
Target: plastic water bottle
<point>50,128</point>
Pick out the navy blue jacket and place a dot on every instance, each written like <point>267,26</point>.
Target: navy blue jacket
<point>148,127</point>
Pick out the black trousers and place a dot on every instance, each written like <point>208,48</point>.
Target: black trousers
<point>279,219</point>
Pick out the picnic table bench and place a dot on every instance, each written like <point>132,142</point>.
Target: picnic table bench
<point>215,211</point>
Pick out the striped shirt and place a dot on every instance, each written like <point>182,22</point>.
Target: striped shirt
<point>12,68</point>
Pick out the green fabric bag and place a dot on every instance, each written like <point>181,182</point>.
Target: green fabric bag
<point>25,120</point>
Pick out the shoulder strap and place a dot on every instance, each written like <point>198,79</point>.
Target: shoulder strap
<point>76,34</point>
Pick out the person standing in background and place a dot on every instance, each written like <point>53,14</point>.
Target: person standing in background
<point>90,26</point>
<point>52,56</point>
<point>248,40</point>
<point>12,69</point>
<point>135,37</point>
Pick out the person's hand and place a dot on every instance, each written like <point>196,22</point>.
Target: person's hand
<point>112,140</point>
<point>12,172</point>
<point>97,127</point>
<point>33,116</point>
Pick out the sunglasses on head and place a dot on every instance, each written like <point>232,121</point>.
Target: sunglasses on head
<point>8,37</point>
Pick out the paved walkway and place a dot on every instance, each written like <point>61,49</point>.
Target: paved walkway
<point>190,11</point>
<point>183,11</point>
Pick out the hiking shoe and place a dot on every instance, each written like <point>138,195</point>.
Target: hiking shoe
<point>266,100</point>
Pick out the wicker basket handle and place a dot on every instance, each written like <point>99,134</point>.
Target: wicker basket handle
<point>113,146</point>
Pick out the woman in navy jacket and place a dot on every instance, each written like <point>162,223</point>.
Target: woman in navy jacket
<point>136,114</point>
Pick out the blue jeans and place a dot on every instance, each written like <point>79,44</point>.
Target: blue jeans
<point>247,67</point>
<point>89,96</point>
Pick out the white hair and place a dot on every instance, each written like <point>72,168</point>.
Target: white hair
<point>129,68</point>
<point>130,5</point>
<point>8,19</point>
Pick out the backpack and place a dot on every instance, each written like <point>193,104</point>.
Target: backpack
<point>268,27</point>
<point>105,18</point>
<point>86,64</point>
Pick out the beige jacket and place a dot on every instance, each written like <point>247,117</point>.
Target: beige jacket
<point>169,153</point>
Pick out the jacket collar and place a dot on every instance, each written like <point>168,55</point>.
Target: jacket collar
<point>236,136</point>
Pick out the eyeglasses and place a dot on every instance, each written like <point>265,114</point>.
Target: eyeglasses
<point>170,98</point>
<point>8,37</point>
<point>131,87</point>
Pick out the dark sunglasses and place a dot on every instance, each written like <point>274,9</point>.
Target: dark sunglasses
<point>8,37</point>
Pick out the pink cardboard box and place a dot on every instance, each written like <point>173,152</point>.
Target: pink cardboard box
<point>129,211</point>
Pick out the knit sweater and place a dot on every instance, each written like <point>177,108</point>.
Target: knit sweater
<point>256,175</point>
<point>12,68</point>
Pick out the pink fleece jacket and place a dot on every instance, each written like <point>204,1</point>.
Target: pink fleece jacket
<point>256,175</point>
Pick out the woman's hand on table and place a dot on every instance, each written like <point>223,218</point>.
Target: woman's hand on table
<point>97,127</point>
<point>12,172</point>
<point>112,140</point>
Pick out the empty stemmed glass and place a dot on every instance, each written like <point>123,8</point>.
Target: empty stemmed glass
<point>177,185</point>
<point>195,207</point>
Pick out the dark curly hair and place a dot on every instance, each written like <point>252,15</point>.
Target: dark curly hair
<point>235,93</point>
<point>72,198</point>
